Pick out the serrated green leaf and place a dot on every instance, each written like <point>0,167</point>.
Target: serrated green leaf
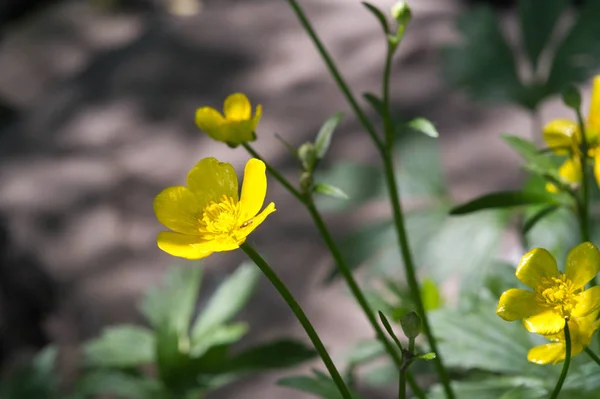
<point>173,303</point>
<point>230,297</point>
<point>219,335</point>
<point>119,384</point>
<point>323,140</point>
<point>504,199</point>
<point>379,15</point>
<point>424,126</point>
<point>330,191</point>
<point>121,346</point>
<point>537,20</point>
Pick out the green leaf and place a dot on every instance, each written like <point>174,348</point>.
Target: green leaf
<point>231,296</point>
<point>537,216</point>
<point>379,15</point>
<point>36,379</point>
<point>424,126</point>
<point>375,102</point>
<point>175,302</point>
<point>427,356</point>
<point>537,19</point>
<point>430,295</point>
<point>219,335</point>
<point>504,199</point>
<point>323,140</point>
<point>174,364</point>
<point>319,385</point>
<point>536,162</point>
<point>365,351</point>
<point>389,329</point>
<point>121,346</point>
<point>331,191</point>
<point>119,384</point>
<point>578,56</point>
<point>558,232</point>
<point>483,64</point>
<point>493,388</point>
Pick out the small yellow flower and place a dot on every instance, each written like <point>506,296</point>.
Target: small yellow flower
<point>581,331</point>
<point>564,137</point>
<point>556,296</point>
<point>206,216</point>
<point>237,126</point>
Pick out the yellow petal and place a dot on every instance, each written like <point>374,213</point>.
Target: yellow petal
<point>254,189</point>
<point>547,354</point>
<point>211,121</point>
<point>183,245</point>
<point>210,179</point>
<point>239,132</point>
<point>516,304</point>
<point>257,117</point>
<point>178,209</point>
<point>597,167</point>
<point>583,263</point>
<point>587,302</point>
<point>570,170</point>
<point>545,323</point>
<point>562,134</point>
<point>254,223</point>
<point>237,107</point>
<point>535,265</point>
<point>594,114</point>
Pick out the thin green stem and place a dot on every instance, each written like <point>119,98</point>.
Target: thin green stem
<point>342,266</point>
<point>592,355</point>
<point>300,315</point>
<point>337,76</point>
<point>565,369</point>
<point>279,177</point>
<point>404,369</point>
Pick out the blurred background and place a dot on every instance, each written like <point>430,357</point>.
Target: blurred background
<point>97,102</point>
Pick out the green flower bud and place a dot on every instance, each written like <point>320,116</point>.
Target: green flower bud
<point>308,155</point>
<point>401,13</point>
<point>572,97</point>
<point>411,325</point>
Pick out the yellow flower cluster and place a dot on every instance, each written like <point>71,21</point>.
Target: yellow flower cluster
<point>556,298</point>
<point>564,137</point>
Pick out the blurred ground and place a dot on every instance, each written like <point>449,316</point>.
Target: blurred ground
<point>105,119</point>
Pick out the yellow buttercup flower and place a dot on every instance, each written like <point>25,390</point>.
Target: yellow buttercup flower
<point>564,137</point>
<point>581,331</point>
<point>556,296</point>
<point>207,216</point>
<point>236,126</point>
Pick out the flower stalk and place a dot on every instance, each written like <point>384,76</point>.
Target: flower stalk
<point>300,315</point>
<point>565,369</point>
<point>592,356</point>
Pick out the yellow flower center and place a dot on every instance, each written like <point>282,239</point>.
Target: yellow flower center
<point>558,293</point>
<point>220,218</point>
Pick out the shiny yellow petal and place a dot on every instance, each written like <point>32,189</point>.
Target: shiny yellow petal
<point>545,323</point>
<point>254,189</point>
<point>210,179</point>
<point>210,121</point>
<point>516,304</point>
<point>587,302</point>
<point>255,222</point>
<point>561,134</point>
<point>535,265</point>
<point>570,170</point>
<point>597,167</point>
<point>237,107</point>
<point>183,245</point>
<point>178,209</point>
<point>583,263</point>
<point>594,114</point>
<point>547,354</point>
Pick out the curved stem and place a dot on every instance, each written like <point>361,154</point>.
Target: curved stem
<point>565,369</point>
<point>300,315</point>
<point>592,355</point>
<point>343,268</point>
<point>337,76</point>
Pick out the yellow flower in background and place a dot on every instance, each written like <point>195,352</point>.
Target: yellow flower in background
<point>236,126</point>
<point>556,296</point>
<point>564,137</point>
<point>206,216</point>
<point>581,331</point>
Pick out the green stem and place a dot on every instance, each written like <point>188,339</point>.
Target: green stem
<point>565,369</point>
<point>300,315</point>
<point>337,76</point>
<point>404,368</point>
<point>342,266</point>
<point>591,354</point>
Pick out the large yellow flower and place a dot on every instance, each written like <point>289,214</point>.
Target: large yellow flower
<point>564,137</point>
<point>206,216</point>
<point>237,126</point>
<point>556,296</point>
<point>580,330</point>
